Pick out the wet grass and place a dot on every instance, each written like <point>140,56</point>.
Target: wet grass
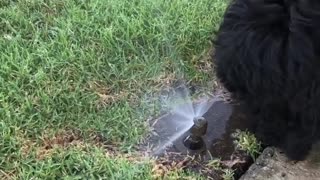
<point>86,66</point>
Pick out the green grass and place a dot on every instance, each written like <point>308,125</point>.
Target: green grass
<point>247,142</point>
<point>85,65</point>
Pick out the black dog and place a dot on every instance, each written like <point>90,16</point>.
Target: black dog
<point>267,54</point>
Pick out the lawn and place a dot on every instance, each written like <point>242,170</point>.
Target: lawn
<point>78,79</point>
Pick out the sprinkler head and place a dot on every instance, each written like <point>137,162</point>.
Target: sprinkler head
<point>199,127</point>
<point>195,141</point>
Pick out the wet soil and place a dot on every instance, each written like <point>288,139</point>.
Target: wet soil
<point>224,118</point>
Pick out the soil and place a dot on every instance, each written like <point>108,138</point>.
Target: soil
<point>224,118</point>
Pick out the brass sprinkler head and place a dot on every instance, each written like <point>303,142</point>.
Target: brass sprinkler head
<point>195,141</point>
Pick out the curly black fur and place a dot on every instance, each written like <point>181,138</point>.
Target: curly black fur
<point>267,54</point>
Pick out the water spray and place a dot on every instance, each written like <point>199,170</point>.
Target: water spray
<point>195,141</point>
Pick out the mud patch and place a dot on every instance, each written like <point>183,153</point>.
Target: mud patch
<point>224,118</point>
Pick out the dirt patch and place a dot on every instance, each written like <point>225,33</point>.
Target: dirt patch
<point>163,81</point>
<point>61,139</point>
<point>7,175</point>
<point>107,97</point>
<point>48,143</point>
<point>224,118</point>
<point>209,169</point>
<point>172,162</point>
<point>64,139</point>
<point>204,62</point>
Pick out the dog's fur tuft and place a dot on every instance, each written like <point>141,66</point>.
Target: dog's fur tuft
<point>267,54</point>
